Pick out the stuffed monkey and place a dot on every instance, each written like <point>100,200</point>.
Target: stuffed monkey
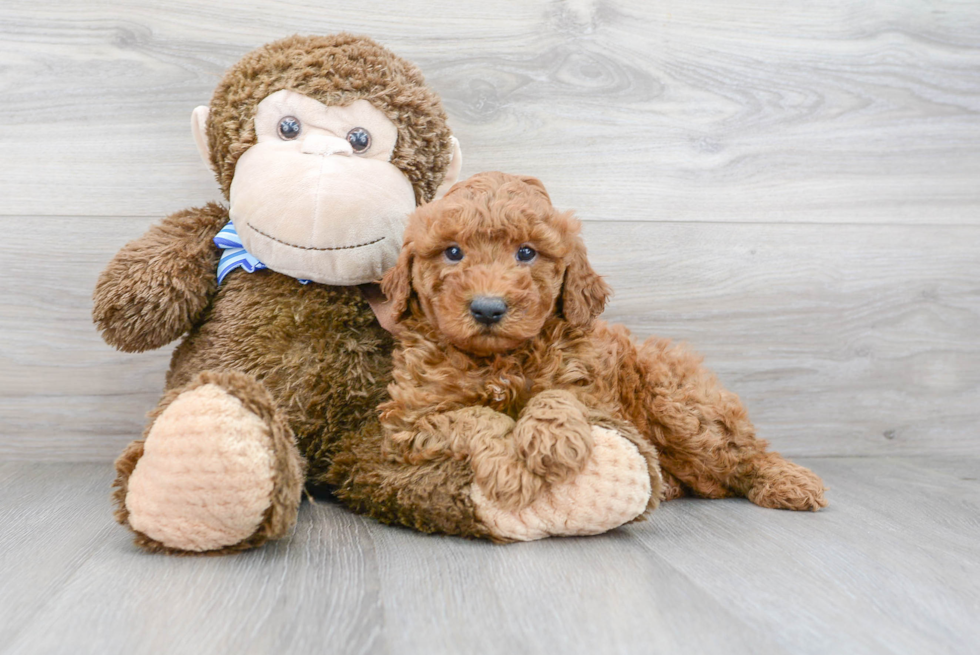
<point>322,146</point>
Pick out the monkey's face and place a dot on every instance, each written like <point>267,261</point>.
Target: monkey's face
<point>316,197</point>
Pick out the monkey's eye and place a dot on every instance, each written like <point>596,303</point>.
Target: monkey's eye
<point>454,253</point>
<point>359,139</point>
<point>289,128</point>
<point>526,254</point>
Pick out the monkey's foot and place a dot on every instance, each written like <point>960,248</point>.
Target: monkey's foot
<point>778,483</point>
<point>613,489</point>
<point>216,472</point>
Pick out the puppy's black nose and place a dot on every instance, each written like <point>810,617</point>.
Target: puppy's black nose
<point>488,309</point>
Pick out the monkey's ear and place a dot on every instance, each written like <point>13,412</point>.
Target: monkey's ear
<point>452,173</point>
<point>584,293</point>
<point>199,128</point>
<point>396,285</point>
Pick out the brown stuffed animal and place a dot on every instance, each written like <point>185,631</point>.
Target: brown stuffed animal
<point>322,146</point>
<point>501,361</point>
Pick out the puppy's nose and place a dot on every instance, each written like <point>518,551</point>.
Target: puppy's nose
<point>488,309</point>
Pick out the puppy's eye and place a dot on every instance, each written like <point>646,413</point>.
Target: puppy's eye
<point>289,128</point>
<point>359,139</point>
<point>453,253</point>
<point>526,254</point>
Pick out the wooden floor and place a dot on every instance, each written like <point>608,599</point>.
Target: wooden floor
<point>892,566</point>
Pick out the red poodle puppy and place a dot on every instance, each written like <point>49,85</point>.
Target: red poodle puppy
<point>502,362</point>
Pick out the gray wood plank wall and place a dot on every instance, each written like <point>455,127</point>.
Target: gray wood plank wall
<point>793,188</point>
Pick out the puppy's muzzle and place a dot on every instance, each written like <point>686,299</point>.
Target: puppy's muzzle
<point>488,310</point>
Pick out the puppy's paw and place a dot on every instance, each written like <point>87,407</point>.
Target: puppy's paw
<point>781,484</point>
<point>553,437</point>
<point>504,480</point>
<point>613,488</point>
<point>673,487</point>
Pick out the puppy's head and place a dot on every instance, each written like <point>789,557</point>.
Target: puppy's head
<point>491,261</point>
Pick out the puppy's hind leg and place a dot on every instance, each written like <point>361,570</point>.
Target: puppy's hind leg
<point>704,435</point>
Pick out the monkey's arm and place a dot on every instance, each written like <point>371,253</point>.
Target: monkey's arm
<point>156,287</point>
<point>431,495</point>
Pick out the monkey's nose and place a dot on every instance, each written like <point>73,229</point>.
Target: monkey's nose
<point>321,144</point>
<point>488,309</point>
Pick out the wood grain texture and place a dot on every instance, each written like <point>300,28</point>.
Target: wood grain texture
<point>316,592</point>
<point>892,566</point>
<point>52,520</point>
<point>695,111</point>
<point>895,549</point>
<point>841,339</point>
<point>555,596</point>
<point>790,188</point>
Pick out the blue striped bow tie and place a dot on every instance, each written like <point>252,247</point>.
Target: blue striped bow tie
<point>234,254</point>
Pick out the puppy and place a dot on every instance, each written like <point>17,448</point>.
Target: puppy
<point>502,361</point>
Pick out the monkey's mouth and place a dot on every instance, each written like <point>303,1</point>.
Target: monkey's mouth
<point>298,247</point>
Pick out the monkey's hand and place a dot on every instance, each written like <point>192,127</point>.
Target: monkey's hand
<point>156,287</point>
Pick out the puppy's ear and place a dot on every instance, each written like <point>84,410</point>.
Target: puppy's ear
<point>396,284</point>
<point>584,293</point>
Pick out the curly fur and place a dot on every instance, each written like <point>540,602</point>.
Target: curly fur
<point>548,363</point>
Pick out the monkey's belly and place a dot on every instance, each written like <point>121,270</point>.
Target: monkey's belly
<point>317,349</point>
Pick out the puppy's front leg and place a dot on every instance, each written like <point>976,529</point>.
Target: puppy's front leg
<point>512,463</point>
<point>615,480</point>
<point>452,434</point>
<point>593,473</point>
<point>553,437</point>
<point>551,443</point>
<point>479,435</point>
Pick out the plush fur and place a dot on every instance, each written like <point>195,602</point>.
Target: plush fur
<point>514,398</point>
<point>311,361</point>
<point>205,429</point>
<point>336,70</point>
<point>287,469</point>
